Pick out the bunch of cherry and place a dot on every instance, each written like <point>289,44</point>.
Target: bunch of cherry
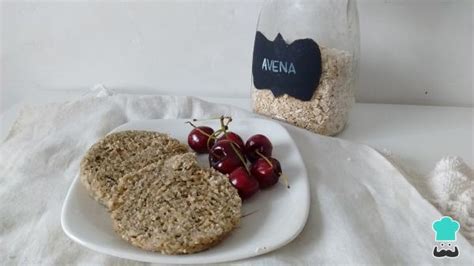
<point>229,155</point>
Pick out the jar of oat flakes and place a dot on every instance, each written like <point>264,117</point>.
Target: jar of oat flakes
<point>305,62</point>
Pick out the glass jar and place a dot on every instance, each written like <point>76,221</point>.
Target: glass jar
<point>305,62</point>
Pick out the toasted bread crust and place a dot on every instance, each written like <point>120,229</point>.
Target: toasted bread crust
<point>120,153</point>
<point>174,206</point>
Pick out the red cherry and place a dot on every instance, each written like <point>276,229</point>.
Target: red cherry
<point>233,137</point>
<point>258,144</point>
<point>243,182</point>
<point>198,139</point>
<point>267,171</point>
<point>225,157</point>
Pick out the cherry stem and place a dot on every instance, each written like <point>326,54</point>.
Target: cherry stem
<point>213,136</point>
<point>250,213</point>
<point>264,157</point>
<point>216,134</point>
<point>207,119</point>
<point>237,151</point>
<point>222,124</point>
<point>189,122</point>
<point>229,119</point>
<point>285,179</point>
<point>201,131</point>
<point>225,121</point>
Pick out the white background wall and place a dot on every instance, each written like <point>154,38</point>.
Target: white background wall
<point>413,51</point>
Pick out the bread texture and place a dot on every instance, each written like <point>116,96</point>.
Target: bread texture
<point>121,153</point>
<point>173,206</point>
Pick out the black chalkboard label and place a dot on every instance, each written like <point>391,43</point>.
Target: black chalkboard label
<point>294,69</point>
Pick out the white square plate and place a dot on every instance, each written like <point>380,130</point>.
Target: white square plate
<point>276,215</point>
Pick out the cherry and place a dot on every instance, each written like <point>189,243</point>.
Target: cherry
<point>267,171</point>
<point>256,146</point>
<point>225,156</point>
<point>199,139</point>
<point>245,184</point>
<point>233,137</point>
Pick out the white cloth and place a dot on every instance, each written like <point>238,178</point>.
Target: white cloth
<point>450,188</point>
<point>362,208</point>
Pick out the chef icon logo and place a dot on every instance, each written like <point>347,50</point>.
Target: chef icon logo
<point>445,237</point>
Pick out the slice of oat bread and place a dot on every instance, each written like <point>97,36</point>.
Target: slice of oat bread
<point>121,153</point>
<point>175,207</point>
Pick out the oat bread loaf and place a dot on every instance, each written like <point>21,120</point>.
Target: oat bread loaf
<point>175,206</point>
<point>121,153</point>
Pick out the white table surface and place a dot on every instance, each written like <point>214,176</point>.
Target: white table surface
<point>417,136</point>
